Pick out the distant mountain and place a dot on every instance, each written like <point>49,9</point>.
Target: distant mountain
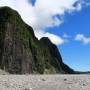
<point>21,52</point>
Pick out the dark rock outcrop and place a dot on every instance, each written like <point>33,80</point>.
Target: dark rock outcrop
<point>21,52</point>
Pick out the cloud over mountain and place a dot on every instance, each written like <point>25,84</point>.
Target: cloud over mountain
<point>43,14</point>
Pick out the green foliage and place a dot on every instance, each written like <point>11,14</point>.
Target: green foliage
<point>46,57</point>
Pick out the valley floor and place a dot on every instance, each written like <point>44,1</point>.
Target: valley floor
<point>44,82</point>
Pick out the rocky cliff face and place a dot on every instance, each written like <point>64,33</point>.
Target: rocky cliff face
<point>21,52</point>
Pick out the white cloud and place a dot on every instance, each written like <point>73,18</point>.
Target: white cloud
<point>44,13</point>
<point>82,38</point>
<point>54,38</point>
<point>46,9</point>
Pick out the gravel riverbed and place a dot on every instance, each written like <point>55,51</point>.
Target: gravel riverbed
<point>44,82</point>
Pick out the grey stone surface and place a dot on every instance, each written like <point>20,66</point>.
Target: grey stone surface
<point>44,82</point>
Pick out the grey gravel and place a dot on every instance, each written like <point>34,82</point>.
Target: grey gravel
<point>44,82</point>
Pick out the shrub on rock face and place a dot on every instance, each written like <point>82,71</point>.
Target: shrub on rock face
<point>21,52</point>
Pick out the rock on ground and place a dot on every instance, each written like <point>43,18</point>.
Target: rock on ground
<point>44,82</point>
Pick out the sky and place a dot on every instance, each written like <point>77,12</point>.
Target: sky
<point>64,22</point>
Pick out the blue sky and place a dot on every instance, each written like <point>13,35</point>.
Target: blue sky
<point>65,22</point>
<point>75,53</point>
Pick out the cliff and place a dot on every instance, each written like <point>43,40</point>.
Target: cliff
<point>21,52</point>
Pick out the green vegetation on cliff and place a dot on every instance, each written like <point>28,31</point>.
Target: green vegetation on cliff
<point>21,52</point>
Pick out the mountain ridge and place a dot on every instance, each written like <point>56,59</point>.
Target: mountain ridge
<point>21,52</point>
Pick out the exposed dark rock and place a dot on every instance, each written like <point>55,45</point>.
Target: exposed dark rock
<point>21,52</point>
